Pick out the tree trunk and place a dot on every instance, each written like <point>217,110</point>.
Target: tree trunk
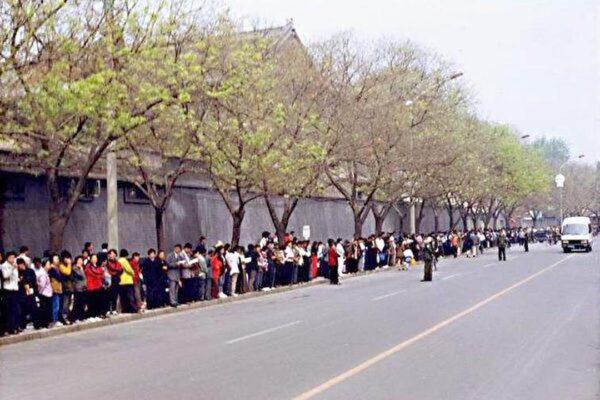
<point>237,218</point>
<point>488,219</point>
<point>380,214</point>
<point>281,224</point>
<point>57,224</point>
<point>160,227</point>
<point>378,223</point>
<point>420,216</point>
<point>450,210</point>
<point>358,225</point>
<point>464,218</point>
<point>436,219</point>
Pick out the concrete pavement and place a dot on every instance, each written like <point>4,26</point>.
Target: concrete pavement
<point>523,329</point>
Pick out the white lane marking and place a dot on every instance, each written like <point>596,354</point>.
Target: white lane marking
<point>385,296</point>
<point>450,277</point>
<point>309,394</point>
<point>489,265</point>
<point>276,328</point>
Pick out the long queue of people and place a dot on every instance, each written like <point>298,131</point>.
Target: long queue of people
<point>61,289</point>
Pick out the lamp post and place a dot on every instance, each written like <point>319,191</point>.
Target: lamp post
<point>559,179</point>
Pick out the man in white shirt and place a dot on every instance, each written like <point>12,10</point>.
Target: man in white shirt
<point>24,255</point>
<point>10,275</point>
<point>232,258</point>
<point>339,249</point>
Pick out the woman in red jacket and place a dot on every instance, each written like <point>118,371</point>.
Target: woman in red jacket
<point>216,264</point>
<point>94,275</point>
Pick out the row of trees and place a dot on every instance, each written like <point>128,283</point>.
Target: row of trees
<point>581,192</point>
<point>176,90</point>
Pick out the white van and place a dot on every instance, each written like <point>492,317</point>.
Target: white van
<point>576,234</point>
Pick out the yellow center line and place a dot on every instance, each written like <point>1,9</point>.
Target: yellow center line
<point>393,350</point>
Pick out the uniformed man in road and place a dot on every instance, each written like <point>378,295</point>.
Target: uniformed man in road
<point>428,255</point>
<point>502,240</point>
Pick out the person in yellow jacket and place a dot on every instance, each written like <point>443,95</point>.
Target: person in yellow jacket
<point>126,289</point>
<point>66,298</point>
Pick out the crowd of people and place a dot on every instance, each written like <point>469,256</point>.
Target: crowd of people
<point>63,288</point>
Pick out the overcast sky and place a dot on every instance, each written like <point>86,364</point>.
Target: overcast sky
<point>532,64</point>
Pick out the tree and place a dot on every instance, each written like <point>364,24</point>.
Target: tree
<point>579,189</point>
<point>159,153</point>
<point>105,75</point>
<point>386,101</point>
<point>293,166</point>
<point>241,118</point>
<point>555,151</point>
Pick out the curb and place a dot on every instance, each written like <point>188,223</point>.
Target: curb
<point>123,318</point>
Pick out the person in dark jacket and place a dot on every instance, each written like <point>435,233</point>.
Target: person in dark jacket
<point>154,272</point>
<point>27,294</point>
<point>79,289</point>
<point>502,240</point>
<point>115,271</point>
<point>428,255</point>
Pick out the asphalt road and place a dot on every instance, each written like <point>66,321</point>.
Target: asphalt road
<point>527,329</point>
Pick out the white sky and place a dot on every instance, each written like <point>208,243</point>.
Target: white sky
<point>532,64</point>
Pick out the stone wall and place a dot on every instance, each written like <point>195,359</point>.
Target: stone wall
<point>192,212</point>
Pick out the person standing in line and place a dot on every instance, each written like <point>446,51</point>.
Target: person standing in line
<point>44,287</point>
<point>339,248</point>
<point>332,262</point>
<point>175,262</point>
<point>189,287</point>
<point>153,272</point>
<point>137,281</point>
<point>232,258</point>
<point>201,246</point>
<point>10,278</point>
<point>526,239</point>
<point>66,271</point>
<point>252,267</point>
<point>271,271</point>
<point>126,292</point>
<point>242,282</point>
<point>502,246</point>
<point>79,290</point>
<point>204,276</point>
<point>27,294</point>
<point>24,255</point>
<point>94,277</point>
<point>56,283</point>
<point>103,254</point>
<point>218,271</point>
<point>115,270</point>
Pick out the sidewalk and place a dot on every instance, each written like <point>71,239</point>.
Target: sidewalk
<point>123,318</point>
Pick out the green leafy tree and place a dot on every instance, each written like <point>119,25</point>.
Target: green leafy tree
<point>106,75</point>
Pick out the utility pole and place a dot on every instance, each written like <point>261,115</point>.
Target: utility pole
<point>112,199</point>
<point>412,218</point>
